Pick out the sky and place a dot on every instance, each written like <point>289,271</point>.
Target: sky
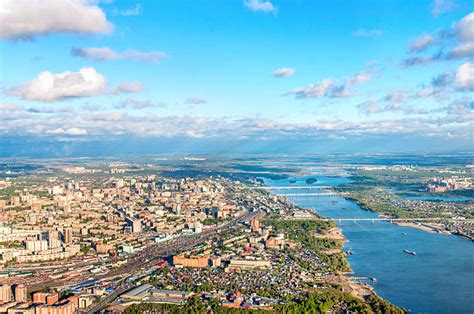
<point>109,77</point>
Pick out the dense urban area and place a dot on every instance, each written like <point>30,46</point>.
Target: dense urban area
<point>134,237</point>
<point>120,238</point>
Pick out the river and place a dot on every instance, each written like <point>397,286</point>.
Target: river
<point>439,279</point>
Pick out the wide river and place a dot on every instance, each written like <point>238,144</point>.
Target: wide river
<point>439,279</point>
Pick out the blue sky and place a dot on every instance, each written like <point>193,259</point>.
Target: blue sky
<point>259,71</point>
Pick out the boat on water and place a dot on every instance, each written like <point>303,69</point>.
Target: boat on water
<point>373,279</point>
<point>404,233</point>
<point>334,202</point>
<point>409,252</point>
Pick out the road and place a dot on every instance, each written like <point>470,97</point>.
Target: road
<point>153,254</point>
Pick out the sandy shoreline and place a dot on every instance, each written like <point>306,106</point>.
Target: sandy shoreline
<point>333,233</point>
<point>427,227</point>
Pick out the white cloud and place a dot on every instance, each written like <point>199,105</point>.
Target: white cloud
<point>465,28</point>
<point>136,104</point>
<point>107,53</point>
<point>71,131</point>
<point>457,42</point>
<point>463,50</point>
<point>132,87</point>
<point>465,76</point>
<point>374,106</point>
<point>320,89</point>
<point>369,107</point>
<point>442,6</point>
<point>362,32</point>
<point>409,62</point>
<point>136,10</point>
<point>330,87</point>
<point>361,78</point>
<point>396,96</point>
<point>10,107</point>
<point>260,5</point>
<point>426,92</point>
<point>48,86</point>
<point>283,72</point>
<point>195,101</point>
<point>422,43</point>
<point>99,53</point>
<point>22,19</point>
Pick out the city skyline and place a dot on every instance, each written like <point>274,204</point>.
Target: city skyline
<point>240,76</point>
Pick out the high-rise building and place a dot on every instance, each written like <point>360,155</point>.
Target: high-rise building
<point>136,224</point>
<point>39,297</point>
<point>68,235</point>
<point>21,294</point>
<point>255,225</point>
<point>45,298</point>
<point>52,298</point>
<point>36,245</point>
<point>6,293</point>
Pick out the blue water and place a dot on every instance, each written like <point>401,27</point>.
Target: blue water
<point>439,279</point>
<point>438,198</point>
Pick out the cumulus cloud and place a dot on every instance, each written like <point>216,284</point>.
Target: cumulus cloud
<point>465,28</point>
<point>283,72</point>
<point>107,54</point>
<point>465,76</point>
<point>86,82</point>
<point>463,50</point>
<point>22,19</point>
<point>48,86</point>
<point>456,42</point>
<point>195,101</point>
<point>260,5</point>
<point>422,43</point>
<point>362,32</point>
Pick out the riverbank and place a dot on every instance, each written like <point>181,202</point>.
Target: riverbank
<point>437,280</point>
<point>349,284</point>
<point>427,227</point>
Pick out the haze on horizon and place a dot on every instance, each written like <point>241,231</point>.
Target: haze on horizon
<point>92,77</point>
